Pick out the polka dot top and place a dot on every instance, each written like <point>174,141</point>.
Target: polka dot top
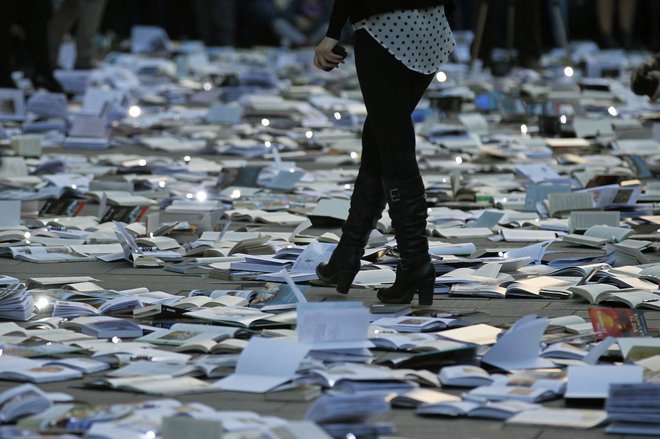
<point>420,38</point>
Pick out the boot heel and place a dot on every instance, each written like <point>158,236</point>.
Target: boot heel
<point>345,280</point>
<point>425,292</point>
<point>324,273</point>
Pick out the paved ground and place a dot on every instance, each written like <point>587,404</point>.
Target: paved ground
<point>493,311</point>
<point>120,275</point>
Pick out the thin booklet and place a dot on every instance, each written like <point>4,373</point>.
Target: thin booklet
<point>263,365</point>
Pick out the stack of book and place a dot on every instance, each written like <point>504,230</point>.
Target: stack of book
<point>634,409</point>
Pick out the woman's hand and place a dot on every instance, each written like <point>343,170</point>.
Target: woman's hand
<point>324,58</point>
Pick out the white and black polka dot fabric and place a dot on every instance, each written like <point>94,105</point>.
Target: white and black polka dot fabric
<point>420,38</point>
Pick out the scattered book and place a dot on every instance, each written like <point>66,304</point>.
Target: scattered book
<point>558,417</point>
<point>500,410</point>
<point>464,376</point>
<point>618,322</point>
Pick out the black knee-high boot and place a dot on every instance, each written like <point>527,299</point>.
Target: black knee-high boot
<point>367,204</point>
<point>415,273</point>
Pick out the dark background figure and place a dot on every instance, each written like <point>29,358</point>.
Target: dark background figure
<point>311,17</point>
<point>25,49</point>
<point>176,17</point>
<point>558,24</point>
<point>275,22</point>
<point>264,16</point>
<point>536,25</point>
<point>624,13</point>
<point>296,23</point>
<point>525,36</point>
<point>216,21</point>
<point>86,15</point>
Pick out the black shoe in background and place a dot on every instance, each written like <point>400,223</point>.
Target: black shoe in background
<point>47,81</point>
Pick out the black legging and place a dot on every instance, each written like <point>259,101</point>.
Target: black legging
<point>391,92</point>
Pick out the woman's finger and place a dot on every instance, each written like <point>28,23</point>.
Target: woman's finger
<point>334,57</point>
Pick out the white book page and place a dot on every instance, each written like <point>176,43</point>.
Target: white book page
<point>594,381</point>
<point>480,334</point>
<point>263,365</point>
<point>559,417</point>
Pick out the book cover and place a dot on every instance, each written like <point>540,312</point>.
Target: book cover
<point>618,322</point>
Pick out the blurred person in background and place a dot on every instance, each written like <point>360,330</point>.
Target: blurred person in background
<point>86,15</point>
<point>560,23</point>
<point>625,13</point>
<point>216,21</point>
<point>525,36</point>
<point>26,20</point>
<point>311,17</point>
<point>282,22</point>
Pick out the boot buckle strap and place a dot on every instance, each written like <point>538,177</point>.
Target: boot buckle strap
<point>395,195</point>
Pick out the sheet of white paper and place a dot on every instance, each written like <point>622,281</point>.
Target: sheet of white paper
<point>264,364</point>
<point>594,381</point>
<point>323,323</point>
<point>534,251</point>
<point>10,213</point>
<point>520,346</point>
<point>598,351</point>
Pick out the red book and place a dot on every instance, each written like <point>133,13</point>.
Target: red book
<point>618,322</point>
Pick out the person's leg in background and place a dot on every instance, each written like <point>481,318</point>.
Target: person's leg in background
<point>654,41</point>
<point>35,17</point>
<point>203,23</point>
<point>91,14</point>
<point>322,24</point>
<point>215,21</point>
<point>225,16</point>
<point>495,28</point>
<point>285,26</point>
<point>605,12</point>
<point>556,26</point>
<point>464,18</point>
<point>6,66</point>
<point>60,24</point>
<point>627,14</point>
<point>390,92</point>
<point>265,23</point>
<point>527,32</point>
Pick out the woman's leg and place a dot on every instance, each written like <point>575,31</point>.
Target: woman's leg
<point>366,208</point>
<point>371,162</point>
<point>390,92</point>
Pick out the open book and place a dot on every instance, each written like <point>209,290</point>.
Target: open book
<point>489,410</point>
<point>560,417</point>
<point>244,317</point>
<point>155,385</point>
<point>26,369</point>
<point>118,305</point>
<point>48,254</point>
<point>16,303</point>
<point>419,324</point>
<point>464,376</point>
<point>21,401</point>
<point>104,327</point>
